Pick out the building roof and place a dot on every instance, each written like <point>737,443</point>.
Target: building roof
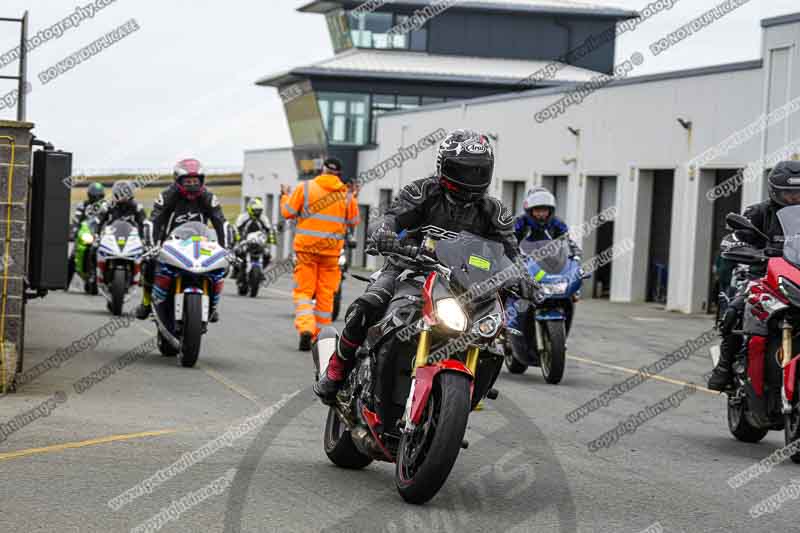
<point>789,18</point>
<point>421,66</point>
<point>600,8</point>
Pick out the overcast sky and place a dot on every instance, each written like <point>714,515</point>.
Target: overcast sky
<point>182,85</point>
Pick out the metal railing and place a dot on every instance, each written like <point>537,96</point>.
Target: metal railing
<point>23,64</point>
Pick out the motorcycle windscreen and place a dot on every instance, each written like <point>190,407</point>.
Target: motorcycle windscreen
<point>122,229</point>
<point>472,259</point>
<point>789,217</point>
<point>192,229</point>
<point>550,255</point>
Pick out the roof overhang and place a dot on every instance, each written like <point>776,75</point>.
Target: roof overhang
<point>324,6</point>
<point>789,18</point>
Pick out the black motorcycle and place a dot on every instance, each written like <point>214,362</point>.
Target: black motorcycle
<point>423,367</point>
<point>255,256</point>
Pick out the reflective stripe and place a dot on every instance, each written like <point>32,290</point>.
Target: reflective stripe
<point>320,216</point>
<point>305,312</point>
<point>321,234</point>
<point>323,314</point>
<point>300,302</point>
<point>289,208</point>
<point>351,220</point>
<point>306,186</point>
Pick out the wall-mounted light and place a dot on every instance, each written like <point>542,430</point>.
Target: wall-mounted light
<point>687,124</point>
<point>575,131</point>
<point>569,160</point>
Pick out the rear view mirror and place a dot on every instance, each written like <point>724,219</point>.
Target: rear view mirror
<point>736,221</point>
<point>744,257</point>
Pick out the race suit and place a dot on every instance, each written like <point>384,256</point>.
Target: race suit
<point>245,224</point>
<point>131,212</point>
<point>422,209</point>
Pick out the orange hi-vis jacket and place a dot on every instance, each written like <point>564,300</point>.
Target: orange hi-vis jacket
<point>324,207</point>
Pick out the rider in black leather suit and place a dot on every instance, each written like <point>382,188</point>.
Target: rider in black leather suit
<point>454,200</point>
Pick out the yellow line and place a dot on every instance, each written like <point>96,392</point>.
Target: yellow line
<point>634,371</point>
<point>241,391</point>
<point>84,443</point>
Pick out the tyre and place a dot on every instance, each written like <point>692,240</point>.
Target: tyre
<point>339,446</point>
<point>255,281</point>
<point>553,355</point>
<point>337,303</point>
<point>164,346</point>
<point>514,366</point>
<point>791,428</point>
<point>192,329</point>
<point>119,286</point>
<point>427,455</point>
<point>740,427</point>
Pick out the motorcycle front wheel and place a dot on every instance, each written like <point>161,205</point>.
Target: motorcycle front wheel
<point>255,281</point>
<point>119,285</point>
<point>427,455</point>
<point>553,355</point>
<point>791,428</point>
<point>192,329</point>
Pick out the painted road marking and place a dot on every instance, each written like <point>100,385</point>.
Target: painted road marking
<point>84,443</point>
<point>634,371</point>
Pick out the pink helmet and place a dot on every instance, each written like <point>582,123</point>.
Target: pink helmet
<point>190,168</point>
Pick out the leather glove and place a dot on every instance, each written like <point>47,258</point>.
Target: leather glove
<point>529,290</point>
<point>386,240</point>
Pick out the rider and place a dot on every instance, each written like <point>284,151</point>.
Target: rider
<point>784,190</point>
<point>253,221</point>
<point>92,206</point>
<point>187,200</point>
<point>539,223</point>
<point>123,207</point>
<point>453,200</point>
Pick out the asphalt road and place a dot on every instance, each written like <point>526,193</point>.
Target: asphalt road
<point>527,467</point>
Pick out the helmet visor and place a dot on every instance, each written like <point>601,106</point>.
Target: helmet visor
<point>787,196</point>
<point>474,176</point>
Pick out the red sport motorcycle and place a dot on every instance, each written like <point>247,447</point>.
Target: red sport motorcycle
<point>765,395</point>
<point>423,367</point>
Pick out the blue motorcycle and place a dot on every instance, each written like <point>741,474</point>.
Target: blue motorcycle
<point>536,332</point>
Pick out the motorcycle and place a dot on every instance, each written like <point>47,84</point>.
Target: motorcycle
<point>190,264</point>
<point>255,251</point>
<point>765,393</point>
<point>118,263</point>
<point>408,398</point>
<point>85,254</point>
<point>541,339</point>
<point>345,258</point>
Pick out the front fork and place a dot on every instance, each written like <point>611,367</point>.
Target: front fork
<point>420,360</point>
<point>786,357</point>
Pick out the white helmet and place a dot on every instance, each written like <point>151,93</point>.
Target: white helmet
<point>539,197</point>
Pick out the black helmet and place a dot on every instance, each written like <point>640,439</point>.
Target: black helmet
<point>464,164</point>
<point>784,183</point>
<point>96,192</point>
<point>332,166</point>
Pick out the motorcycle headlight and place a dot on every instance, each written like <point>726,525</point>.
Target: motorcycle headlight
<point>554,287</point>
<point>451,315</point>
<point>87,238</point>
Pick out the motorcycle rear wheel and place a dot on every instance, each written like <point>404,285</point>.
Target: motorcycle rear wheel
<point>192,329</point>
<point>119,285</point>
<point>427,455</point>
<point>339,445</point>
<point>740,427</point>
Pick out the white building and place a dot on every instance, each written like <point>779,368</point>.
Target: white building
<point>629,144</point>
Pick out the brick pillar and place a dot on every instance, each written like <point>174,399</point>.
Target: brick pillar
<point>14,264</point>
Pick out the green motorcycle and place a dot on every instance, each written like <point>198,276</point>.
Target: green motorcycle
<point>84,257</point>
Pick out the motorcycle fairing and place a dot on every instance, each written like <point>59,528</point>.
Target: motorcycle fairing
<point>790,377</point>
<point>545,315</point>
<point>756,349</point>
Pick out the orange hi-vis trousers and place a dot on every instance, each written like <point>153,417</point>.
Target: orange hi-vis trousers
<point>316,277</point>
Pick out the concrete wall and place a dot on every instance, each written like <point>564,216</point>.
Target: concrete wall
<point>16,165</point>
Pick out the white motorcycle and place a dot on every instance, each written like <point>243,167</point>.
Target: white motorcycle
<point>254,251</point>
<point>190,264</point>
<point>119,259</point>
